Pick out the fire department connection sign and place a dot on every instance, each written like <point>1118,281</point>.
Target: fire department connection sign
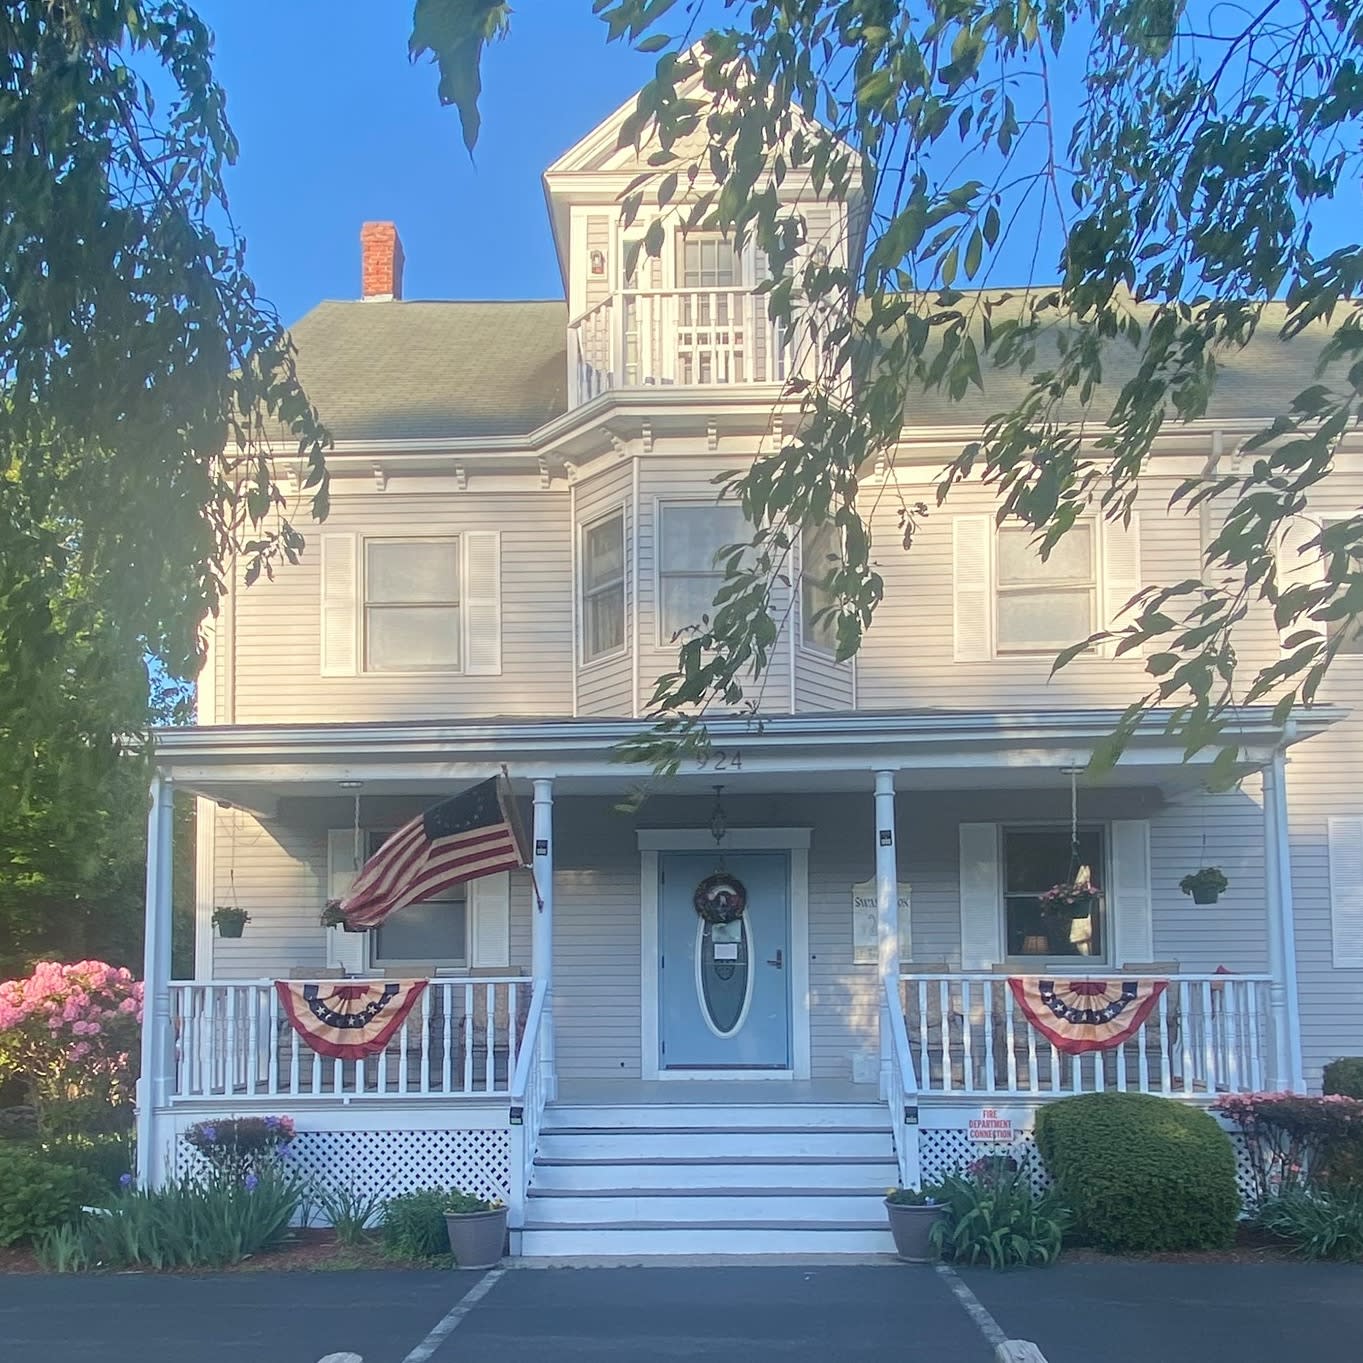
<point>989,1127</point>
<point>865,931</point>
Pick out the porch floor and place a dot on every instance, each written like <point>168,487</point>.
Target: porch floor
<point>722,1092</point>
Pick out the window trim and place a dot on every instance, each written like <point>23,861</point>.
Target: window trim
<point>998,591</point>
<point>619,509</point>
<point>660,506</point>
<point>1065,965</point>
<point>364,670</point>
<point>700,236</point>
<point>374,839</point>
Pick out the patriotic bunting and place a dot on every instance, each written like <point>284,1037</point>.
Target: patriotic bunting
<point>348,1019</point>
<point>1077,1016</point>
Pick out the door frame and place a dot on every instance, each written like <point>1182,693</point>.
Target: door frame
<point>795,843</point>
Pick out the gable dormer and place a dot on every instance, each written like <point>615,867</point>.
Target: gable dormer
<point>687,316</point>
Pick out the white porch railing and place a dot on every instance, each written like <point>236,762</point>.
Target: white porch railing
<point>529,1091</point>
<point>902,1091</point>
<point>462,1040</point>
<point>1208,1034</point>
<point>676,336</point>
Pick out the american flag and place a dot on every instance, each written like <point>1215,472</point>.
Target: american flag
<point>464,838</point>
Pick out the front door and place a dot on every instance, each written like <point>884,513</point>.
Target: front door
<point>724,987</point>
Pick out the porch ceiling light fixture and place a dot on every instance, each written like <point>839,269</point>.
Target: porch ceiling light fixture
<point>719,825</point>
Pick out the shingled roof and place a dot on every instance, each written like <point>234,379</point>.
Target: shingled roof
<point>411,370</point>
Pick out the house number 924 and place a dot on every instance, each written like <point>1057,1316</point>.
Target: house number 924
<point>721,759</point>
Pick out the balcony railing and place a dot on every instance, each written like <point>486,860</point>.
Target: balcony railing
<point>1207,1035</point>
<point>462,1040</point>
<point>688,337</point>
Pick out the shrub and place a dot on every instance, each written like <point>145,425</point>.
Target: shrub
<point>1294,1140</point>
<point>37,1195</point>
<point>107,1159</point>
<point>1345,1076</point>
<point>71,1032</point>
<point>18,1123</point>
<point>237,1146</point>
<point>414,1224</point>
<point>1140,1173</point>
<point>993,1216</point>
<point>1319,1225</point>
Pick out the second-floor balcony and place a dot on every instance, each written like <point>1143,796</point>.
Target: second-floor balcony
<point>688,337</point>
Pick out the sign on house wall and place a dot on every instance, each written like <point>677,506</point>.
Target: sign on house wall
<point>991,1126</point>
<point>865,927</point>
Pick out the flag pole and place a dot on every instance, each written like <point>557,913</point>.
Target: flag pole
<point>513,817</point>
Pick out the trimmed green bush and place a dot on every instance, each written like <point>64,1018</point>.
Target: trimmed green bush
<point>1139,1173</point>
<point>1345,1076</point>
<point>413,1224</point>
<point>37,1195</point>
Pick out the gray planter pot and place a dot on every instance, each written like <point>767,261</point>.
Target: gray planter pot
<point>912,1230</point>
<point>477,1239</point>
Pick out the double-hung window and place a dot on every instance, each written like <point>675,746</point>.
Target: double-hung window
<point>690,537</point>
<point>818,549</point>
<point>1045,605</point>
<point>411,605</point>
<point>603,587</point>
<point>1034,860</point>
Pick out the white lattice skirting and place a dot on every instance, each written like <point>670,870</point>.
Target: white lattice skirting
<point>948,1150</point>
<point>386,1163</point>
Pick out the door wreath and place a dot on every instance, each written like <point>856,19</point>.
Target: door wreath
<point>720,898</point>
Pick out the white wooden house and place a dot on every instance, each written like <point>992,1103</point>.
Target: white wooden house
<point>524,514</point>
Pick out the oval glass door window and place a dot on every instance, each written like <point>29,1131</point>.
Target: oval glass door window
<point>723,974</point>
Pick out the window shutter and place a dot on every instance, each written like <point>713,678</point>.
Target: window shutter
<point>344,949</point>
<point>340,605</point>
<point>481,602</point>
<point>981,897</point>
<point>1346,892</point>
<point>1297,569</point>
<point>972,574</point>
<point>490,912</point>
<point>1128,897</point>
<point>1121,577</point>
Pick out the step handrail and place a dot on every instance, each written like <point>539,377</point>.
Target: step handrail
<point>902,1089</point>
<point>526,1106</point>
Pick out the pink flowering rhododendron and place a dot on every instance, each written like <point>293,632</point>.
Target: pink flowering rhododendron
<point>71,1031</point>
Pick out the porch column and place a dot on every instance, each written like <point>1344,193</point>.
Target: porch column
<point>158,1042</point>
<point>887,914</point>
<point>1282,936</point>
<point>542,937</point>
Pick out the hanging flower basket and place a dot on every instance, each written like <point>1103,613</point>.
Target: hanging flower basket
<point>1206,886</point>
<point>229,920</point>
<point>1071,899</point>
<point>332,917</point>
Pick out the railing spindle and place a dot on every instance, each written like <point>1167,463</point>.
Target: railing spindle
<point>469,1023</point>
<point>489,1061</point>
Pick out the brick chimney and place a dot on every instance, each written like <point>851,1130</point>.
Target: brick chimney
<point>381,261</point>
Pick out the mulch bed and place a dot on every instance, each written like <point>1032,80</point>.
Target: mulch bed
<point>1251,1247</point>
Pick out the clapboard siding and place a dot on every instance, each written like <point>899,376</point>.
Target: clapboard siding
<point>277,653</point>
<point>821,683</point>
<point>606,687</point>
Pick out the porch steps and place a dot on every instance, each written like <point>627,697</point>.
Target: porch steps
<point>705,1178</point>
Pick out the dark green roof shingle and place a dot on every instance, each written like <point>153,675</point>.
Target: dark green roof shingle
<point>412,370</point>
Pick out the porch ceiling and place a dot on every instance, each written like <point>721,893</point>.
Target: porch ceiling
<point>254,766</point>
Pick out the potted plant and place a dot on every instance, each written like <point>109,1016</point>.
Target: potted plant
<point>1071,898</point>
<point>332,917</point>
<point>913,1212</point>
<point>477,1229</point>
<point>230,920</point>
<point>1206,886</point>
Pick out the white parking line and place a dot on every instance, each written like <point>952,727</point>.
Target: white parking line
<point>1005,1350</point>
<point>454,1317</point>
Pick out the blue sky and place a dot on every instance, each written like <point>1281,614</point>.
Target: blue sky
<point>337,126</point>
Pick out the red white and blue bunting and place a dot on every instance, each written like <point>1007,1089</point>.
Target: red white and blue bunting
<point>1077,1016</point>
<point>348,1019</point>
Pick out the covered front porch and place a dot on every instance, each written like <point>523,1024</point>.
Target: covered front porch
<point>888,969</point>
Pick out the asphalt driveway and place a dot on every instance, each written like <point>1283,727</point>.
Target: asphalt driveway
<point>814,1313</point>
